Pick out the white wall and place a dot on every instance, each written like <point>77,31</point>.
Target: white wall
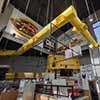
<point>95,59</point>
<point>4,18</point>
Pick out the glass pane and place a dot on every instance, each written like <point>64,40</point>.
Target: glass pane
<point>97,33</point>
<point>96,24</point>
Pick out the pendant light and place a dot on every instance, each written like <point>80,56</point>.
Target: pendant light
<point>90,16</point>
<point>95,15</point>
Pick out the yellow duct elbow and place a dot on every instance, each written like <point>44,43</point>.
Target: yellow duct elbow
<point>81,27</point>
<point>75,30</point>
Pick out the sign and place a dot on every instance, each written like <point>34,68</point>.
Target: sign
<point>49,44</point>
<point>68,53</point>
<point>20,28</point>
<point>20,24</point>
<point>87,71</point>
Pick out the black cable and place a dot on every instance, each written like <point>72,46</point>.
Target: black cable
<point>27,6</point>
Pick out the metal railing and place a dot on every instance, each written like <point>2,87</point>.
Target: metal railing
<point>49,90</point>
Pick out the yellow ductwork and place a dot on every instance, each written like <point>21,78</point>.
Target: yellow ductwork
<point>67,16</point>
<point>58,22</point>
<point>83,29</point>
<point>7,52</point>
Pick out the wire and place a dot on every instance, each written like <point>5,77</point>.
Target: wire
<point>73,2</point>
<point>51,14</point>
<point>38,14</point>
<point>86,2</point>
<point>28,2</point>
<point>5,46</point>
<point>94,10</point>
<point>48,10</point>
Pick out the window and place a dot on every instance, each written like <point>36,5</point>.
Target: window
<point>96,27</point>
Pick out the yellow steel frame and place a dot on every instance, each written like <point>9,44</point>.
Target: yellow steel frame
<point>60,62</point>
<point>7,52</point>
<point>68,16</point>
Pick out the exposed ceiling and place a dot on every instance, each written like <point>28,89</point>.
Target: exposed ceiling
<point>37,9</point>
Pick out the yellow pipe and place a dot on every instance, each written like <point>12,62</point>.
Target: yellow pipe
<point>83,29</point>
<point>68,15</point>
<point>59,21</point>
<point>7,52</point>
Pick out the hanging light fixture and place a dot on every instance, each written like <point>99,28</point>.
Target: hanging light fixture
<point>95,15</point>
<point>90,16</point>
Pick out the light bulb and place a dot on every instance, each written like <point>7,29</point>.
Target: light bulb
<point>91,46</point>
<point>90,18</point>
